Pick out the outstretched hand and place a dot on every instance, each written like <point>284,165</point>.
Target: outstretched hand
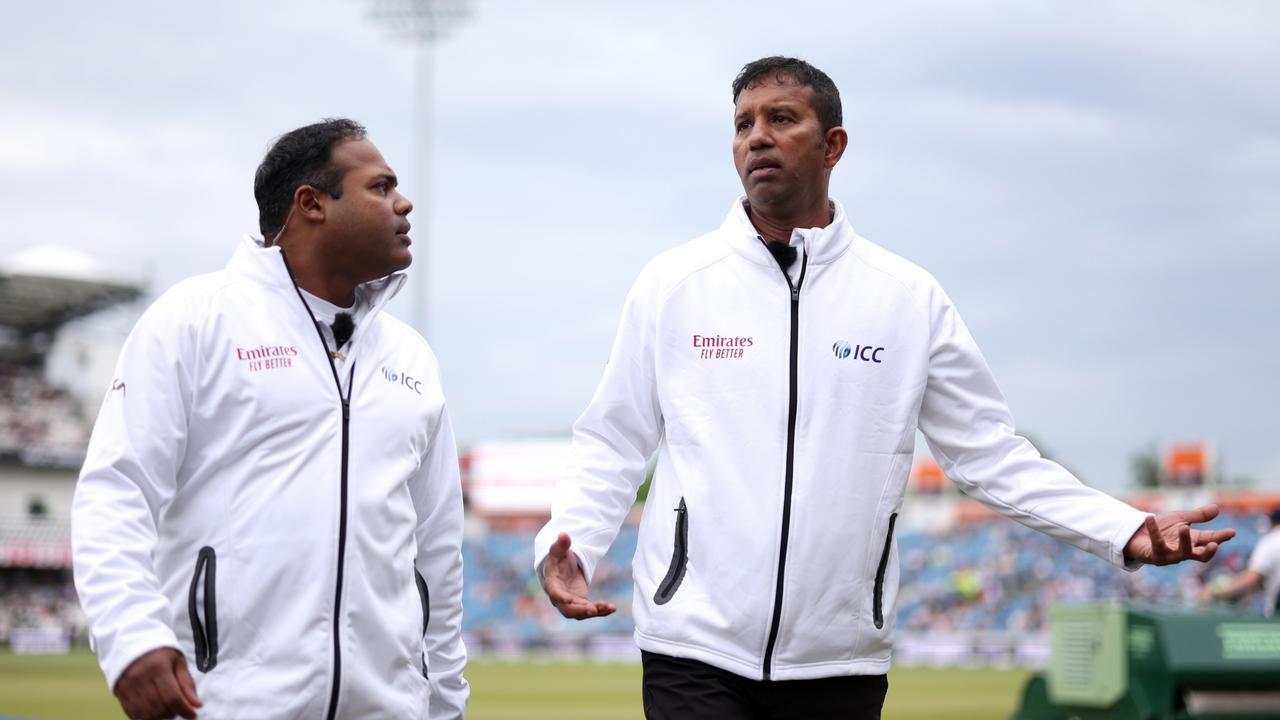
<point>566,585</point>
<point>1168,538</point>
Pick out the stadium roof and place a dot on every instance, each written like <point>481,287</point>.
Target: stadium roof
<point>45,286</point>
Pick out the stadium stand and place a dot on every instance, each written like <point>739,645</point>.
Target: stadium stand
<point>978,581</point>
<point>40,601</point>
<point>984,583</point>
<point>40,424</point>
<point>505,610</point>
<point>1000,576</point>
<point>43,433</point>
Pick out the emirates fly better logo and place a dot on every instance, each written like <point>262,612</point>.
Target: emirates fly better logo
<point>722,347</point>
<point>267,357</point>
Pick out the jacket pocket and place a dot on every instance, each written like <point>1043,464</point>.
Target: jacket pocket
<point>424,597</point>
<point>679,558</point>
<point>877,601</point>
<point>205,633</point>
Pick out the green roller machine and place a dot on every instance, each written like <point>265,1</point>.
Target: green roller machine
<point>1112,662</point>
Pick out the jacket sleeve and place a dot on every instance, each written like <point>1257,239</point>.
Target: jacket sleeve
<point>129,476</point>
<point>968,426</point>
<point>612,440</point>
<point>437,497</point>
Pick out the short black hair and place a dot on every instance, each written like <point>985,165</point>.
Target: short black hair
<point>826,98</point>
<point>300,157</point>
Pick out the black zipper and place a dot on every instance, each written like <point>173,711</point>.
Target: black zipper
<point>342,541</point>
<point>877,603</point>
<point>424,596</point>
<point>791,451</point>
<point>204,634</point>
<point>679,558</point>
<point>342,517</point>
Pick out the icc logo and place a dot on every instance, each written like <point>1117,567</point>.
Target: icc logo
<point>402,379</point>
<point>866,353</point>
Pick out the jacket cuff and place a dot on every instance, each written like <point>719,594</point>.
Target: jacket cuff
<point>588,570</point>
<point>122,656</point>
<point>449,698</point>
<point>1133,520</point>
<point>541,567</point>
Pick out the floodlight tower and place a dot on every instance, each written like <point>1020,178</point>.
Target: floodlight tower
<point>421,23</point>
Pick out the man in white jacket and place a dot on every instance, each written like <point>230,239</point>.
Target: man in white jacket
<point>271,493</point>
<point>780,366</point>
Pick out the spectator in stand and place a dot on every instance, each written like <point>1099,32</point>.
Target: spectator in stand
<point>1263,572</point>
<point>36,417</point>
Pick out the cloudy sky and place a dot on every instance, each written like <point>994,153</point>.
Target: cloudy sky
<point>1096,184</point>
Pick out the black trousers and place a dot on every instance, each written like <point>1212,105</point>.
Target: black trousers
<point>681,689</point>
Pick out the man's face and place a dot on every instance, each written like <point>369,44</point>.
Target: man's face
<point>779,145</point>
<point>368,226</point>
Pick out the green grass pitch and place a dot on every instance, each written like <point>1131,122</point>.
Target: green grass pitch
<point>71,688</point>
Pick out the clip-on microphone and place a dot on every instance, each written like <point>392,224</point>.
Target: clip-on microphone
<point>343,327</point>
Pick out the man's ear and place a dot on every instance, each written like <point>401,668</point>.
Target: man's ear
<point>309,204</point>
<point>837,141</point>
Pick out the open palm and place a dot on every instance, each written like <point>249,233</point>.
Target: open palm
<point>1169,538</point>
<point>566,585</point>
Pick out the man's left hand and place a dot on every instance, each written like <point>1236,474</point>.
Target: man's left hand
<point>1168,538</point>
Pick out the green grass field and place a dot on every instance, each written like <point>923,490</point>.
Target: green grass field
<point>71,688</point>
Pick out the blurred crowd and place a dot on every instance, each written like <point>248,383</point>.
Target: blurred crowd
<point>1001,576</point>
<point>993,576</point>
<point>39,599</point>
<point>39,423</point>
<point>989,576</point>
<point>505,609</point>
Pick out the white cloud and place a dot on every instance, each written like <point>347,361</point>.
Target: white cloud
<point>36,146</point>
<point>1018,120</point>
<point>1259,156</point>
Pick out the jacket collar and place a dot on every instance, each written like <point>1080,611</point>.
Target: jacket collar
<point>266,265</point>
<point>821,245</point>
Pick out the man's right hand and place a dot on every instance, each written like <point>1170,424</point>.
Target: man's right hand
<point>566,586</point>
<point>157,686</point>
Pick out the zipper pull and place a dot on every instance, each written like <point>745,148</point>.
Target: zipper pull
<point>795,288</point>
<point>346,410</point>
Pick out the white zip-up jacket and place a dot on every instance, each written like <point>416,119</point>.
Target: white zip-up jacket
<point>234,507</point>
<point>784,422</point>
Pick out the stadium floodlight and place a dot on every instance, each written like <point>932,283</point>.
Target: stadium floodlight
<point>421,23</point>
